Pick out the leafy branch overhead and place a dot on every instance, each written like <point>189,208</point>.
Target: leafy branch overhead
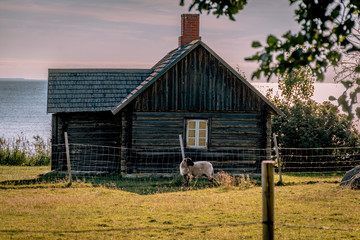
<point>348,74</point>
<point>324,28</point>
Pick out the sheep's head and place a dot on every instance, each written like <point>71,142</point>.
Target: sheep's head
<point>188,162</point>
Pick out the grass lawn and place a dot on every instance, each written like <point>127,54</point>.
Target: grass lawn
<point>17,173</point>
<point>49,210</point>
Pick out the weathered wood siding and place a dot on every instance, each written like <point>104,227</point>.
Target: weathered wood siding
<point>233,141</point>
<point>199,82</point>
<point>96,129</point>
<point>199,87</point>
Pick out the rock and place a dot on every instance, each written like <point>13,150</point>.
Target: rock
<point>351,178</point>
<point>355,183</point>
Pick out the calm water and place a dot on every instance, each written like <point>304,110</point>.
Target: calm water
<point>23,106</point>
<point>23,109</point>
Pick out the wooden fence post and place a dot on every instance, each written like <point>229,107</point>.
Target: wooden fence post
<point>267,182</point>
<point>68,156</point>
<point>182,147</point>
<point>277,157</point>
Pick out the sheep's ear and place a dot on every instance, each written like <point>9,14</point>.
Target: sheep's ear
<point>190,162</point>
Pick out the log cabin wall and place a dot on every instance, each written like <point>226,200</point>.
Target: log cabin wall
<point>226,130</point>
<point>199,87</point>
<point>232,136</point>
<point>87,128</point>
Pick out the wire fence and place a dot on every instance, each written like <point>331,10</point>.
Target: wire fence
<point>319,160</point>
<point>91,159</point>
<point>104,161</point>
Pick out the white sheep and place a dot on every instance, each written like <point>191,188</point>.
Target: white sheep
<point>190,169</point>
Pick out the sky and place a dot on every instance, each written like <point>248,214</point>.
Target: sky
<point>36,35</point>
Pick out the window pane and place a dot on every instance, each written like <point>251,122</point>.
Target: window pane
<point>202,133</point>
<point>202,142</point>
<point>202,124</point>
<point>191,124</point>
<point>191,133</point>
<point>191,142</point>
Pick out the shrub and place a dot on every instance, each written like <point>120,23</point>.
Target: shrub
<point>223,179</point>
<point>312,125</point>
<point>21,152</point>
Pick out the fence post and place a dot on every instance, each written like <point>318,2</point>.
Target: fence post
<point>267,182</point>
<point>181,146</point>
<point>68,156</point>
<point>277,157</point>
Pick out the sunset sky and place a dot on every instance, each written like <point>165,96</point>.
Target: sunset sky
<point>40,34</point>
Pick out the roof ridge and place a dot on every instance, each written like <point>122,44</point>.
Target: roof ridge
<point>100,70</point>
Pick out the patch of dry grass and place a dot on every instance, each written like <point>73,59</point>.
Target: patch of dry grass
<point>85,212</point>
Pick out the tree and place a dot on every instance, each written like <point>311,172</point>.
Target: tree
<point>297,85</point>
<point>308,124</point>
<point>348,73</point>
<point>313,125</point>
<point>325,25</point>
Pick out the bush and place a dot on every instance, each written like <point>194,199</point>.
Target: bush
<point>223,179</point>
<point>312,125</point>
<point>21,152</point>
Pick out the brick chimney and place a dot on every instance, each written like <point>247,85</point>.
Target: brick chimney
<point>189,28</point>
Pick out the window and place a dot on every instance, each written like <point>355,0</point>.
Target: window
<point>197,133</point>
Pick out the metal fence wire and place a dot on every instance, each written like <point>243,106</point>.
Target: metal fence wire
<point>104,159</point>
<point>321,160</point>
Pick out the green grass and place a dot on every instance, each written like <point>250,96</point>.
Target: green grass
<point>308,178</point>
<point>18,173</point>
<point>46,209</point>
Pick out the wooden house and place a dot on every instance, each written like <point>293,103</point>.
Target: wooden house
<point>142,112</point>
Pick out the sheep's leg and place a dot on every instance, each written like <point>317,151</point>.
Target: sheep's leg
<point>196,179</point>
<point>186,180</point>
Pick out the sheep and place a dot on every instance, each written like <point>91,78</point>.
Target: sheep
<point>190,169</point>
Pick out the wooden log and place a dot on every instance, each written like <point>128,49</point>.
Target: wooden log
<point>68,157</point>
<point>277,157</point>
<point>267,181</point>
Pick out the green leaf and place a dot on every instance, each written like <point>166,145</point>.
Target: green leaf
<point>272,41</point>
<point>332,98</point>
<point>280,57</point>
<point>256,74</point>
<point>357,69</point>
<point>335,13</point>
<point>253,58</point>
<point>256,44</point>
<point>357,110</point>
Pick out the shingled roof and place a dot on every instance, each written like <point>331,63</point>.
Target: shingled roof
<point>87,90</point>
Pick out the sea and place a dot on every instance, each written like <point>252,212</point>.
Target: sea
<point>23,109</point>
<point>23,105</point>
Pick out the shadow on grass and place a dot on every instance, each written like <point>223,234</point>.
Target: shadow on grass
<point>149,185</point>
<point>143,186</point>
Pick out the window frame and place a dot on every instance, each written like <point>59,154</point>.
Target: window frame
<point>197,137</point>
